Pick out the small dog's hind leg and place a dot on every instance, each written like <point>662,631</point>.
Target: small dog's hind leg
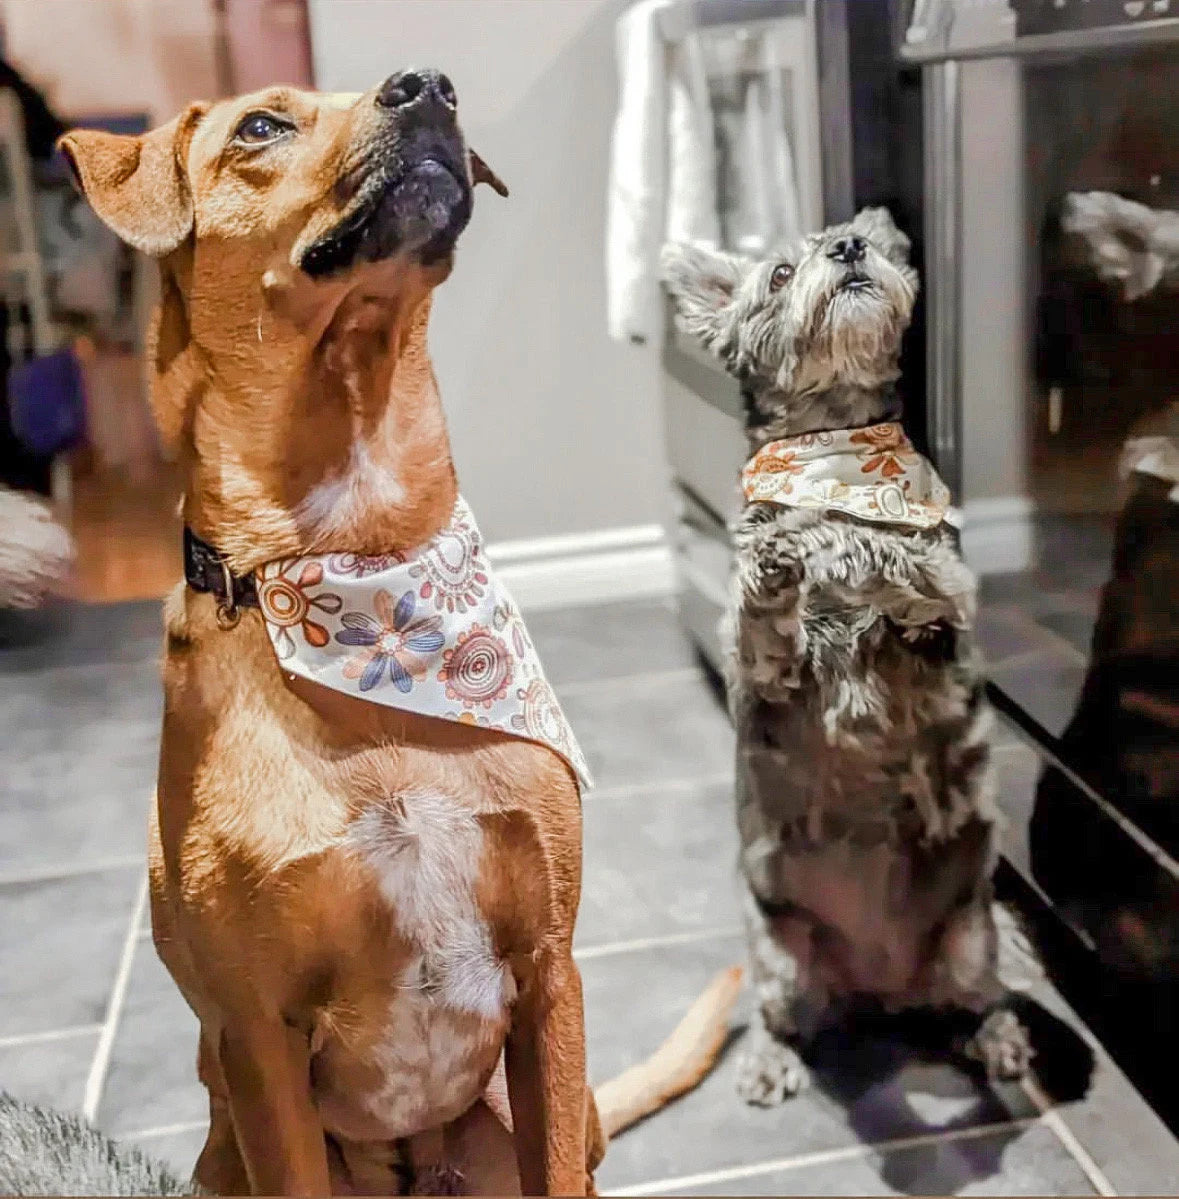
<point>1000,1042</point>
<point>771,1068</point>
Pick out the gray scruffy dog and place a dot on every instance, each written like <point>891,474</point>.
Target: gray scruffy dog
<point>864,798</point>
<point>49,1153</point>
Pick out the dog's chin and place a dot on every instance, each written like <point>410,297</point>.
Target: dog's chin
<point>857,285</point>
<point>862,300</point>
<point>418,215</point>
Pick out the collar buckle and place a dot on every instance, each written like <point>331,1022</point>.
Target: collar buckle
<point>207,572</point>
<point>228,613</point>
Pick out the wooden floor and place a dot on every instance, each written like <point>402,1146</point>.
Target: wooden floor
<point>128,534</point>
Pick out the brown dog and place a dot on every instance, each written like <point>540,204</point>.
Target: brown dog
<point>312,852</point>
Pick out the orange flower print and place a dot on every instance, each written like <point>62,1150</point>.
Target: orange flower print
<point>884,445</point>
<point>769,472</point>
<point>782,462</point>
<point>286,604</point>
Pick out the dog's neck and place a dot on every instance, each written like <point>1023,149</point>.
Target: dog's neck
<point>320,444</point>
<point>772,414</point>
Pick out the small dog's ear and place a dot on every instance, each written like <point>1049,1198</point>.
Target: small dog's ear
<point>877,225</point>
<point>137,185</point>
<point>702,283</point>
<point>482,173</point>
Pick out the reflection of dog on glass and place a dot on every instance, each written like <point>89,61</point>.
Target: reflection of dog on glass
<point>864,800</point>
<point>1128,245</point>
<point>1108,309</point>
<point>1124,735</point>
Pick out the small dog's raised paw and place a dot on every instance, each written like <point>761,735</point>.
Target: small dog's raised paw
<point>770,1072</point>
<point>1003,1047</point>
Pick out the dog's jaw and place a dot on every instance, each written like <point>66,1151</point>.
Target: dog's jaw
<point>342,499</point>
<point>341,445</point>
<point>414,206</point>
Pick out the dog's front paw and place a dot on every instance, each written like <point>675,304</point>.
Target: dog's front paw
<point>1003,1047</point>
<point>770,1072</point>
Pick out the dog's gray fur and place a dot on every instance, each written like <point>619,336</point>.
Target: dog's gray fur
<point>864,799</point>
<point>49,1153</point>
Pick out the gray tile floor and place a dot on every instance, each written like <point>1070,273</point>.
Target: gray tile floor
<point>89,1019</point>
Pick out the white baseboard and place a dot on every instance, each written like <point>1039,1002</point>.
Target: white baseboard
<point>634,562</point>
<point>997,534</point>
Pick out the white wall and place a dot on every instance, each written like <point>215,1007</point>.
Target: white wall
<point>555,427</point>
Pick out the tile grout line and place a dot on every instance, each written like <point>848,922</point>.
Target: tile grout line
<point>655,787</point>
<point>611,948</point>
<point>1032,625</point>
<point>1053,1120</point>
<point>590,686</point>
<point>53,1034</point>
<point>666,1186</point>
<point>46,874</point>
<point>162,1130</point>
<point>99,1066</point>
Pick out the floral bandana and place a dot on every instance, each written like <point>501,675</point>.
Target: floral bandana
<point>872,473</point>
<point>429,631</point>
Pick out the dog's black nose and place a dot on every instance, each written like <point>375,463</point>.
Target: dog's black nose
<point>848,250</point>
<point>421,87</point>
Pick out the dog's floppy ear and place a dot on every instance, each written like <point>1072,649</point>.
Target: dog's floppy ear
<point>701,282</point>
<point>482,173</point>
<point>137,185</point>
<point>877,225</point>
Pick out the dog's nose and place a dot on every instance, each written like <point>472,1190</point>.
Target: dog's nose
<point>848,250</point>
<point>406,88</point>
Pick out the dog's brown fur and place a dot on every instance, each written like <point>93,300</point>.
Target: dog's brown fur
<point>267,904</point>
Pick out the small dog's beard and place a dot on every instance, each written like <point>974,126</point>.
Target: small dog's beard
<point>849,337</point>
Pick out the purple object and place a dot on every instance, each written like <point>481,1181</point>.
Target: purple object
<point>47,400</point>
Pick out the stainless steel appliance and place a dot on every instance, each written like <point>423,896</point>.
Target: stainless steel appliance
<point>1053,369</point>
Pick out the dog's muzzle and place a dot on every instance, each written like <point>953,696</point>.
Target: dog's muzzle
<point>416,197</point>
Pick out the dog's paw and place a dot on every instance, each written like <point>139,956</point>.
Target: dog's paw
<point>769,1073</point>
<point>1003,1047</point>
<point>437,1180</point>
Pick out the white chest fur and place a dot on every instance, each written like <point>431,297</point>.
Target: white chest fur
<point>426,849</point>
<point>449,1014</point>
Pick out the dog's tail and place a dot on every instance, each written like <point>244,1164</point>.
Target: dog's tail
<point>679,1064</point>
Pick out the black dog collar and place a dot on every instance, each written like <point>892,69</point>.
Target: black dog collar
<point>206,571</point>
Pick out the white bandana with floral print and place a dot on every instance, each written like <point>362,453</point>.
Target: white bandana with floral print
<point>430,631</point>
<point>873,473</point>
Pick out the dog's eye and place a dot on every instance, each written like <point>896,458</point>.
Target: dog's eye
<point>259,128</point>
<point>782,275</point>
